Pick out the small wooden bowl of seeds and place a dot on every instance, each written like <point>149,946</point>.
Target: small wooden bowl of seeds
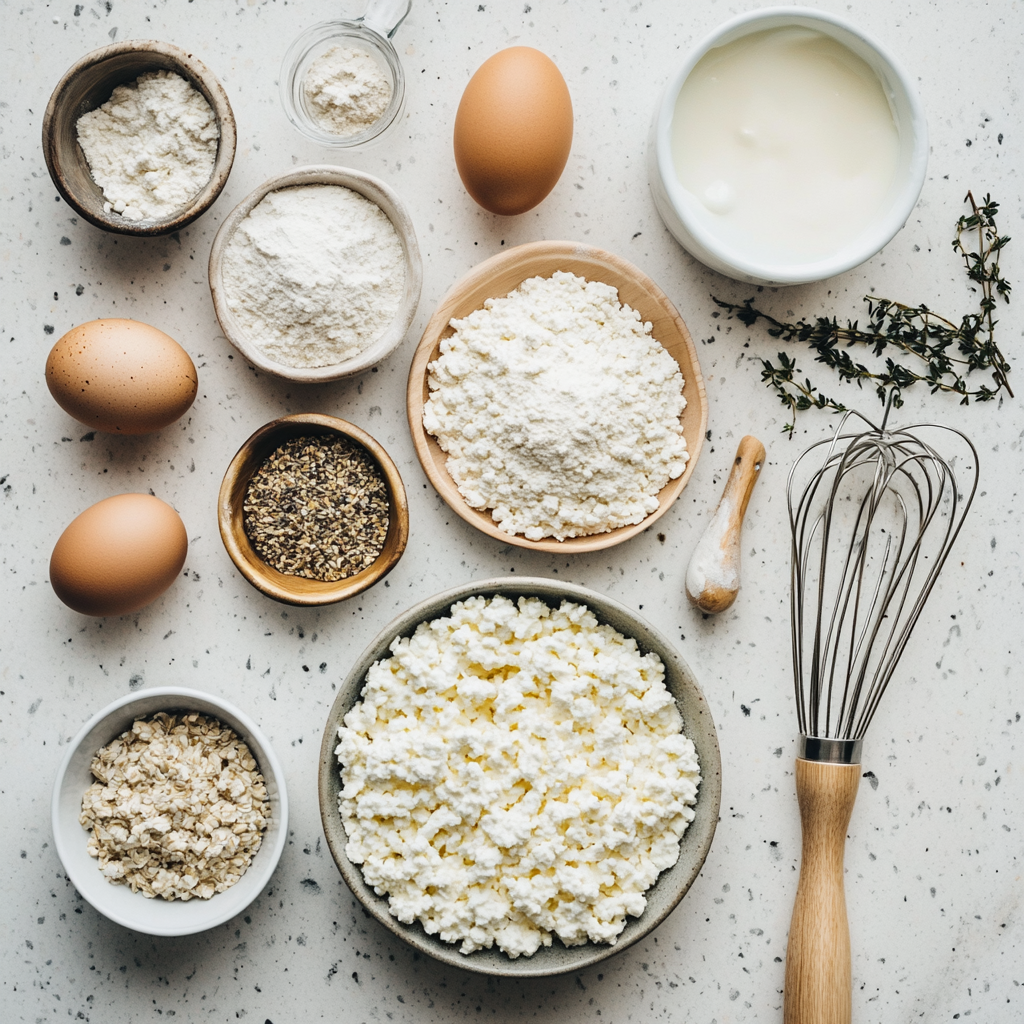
<point>312,510</point>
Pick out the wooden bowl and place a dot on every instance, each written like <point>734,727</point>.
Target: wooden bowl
<point>500,275</point>
<point>379,193</point>
<point>297,589</point>
<point>671,885</point>
<point>86,85</point>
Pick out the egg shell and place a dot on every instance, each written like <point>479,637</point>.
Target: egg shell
<point>121,376</point>
<point>118,555</point>
<point>513,130</point>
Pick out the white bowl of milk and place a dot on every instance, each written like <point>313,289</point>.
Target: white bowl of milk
<point>788,148</point>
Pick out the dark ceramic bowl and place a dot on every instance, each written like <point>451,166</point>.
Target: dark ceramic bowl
<point>87,85</point>
<point>671,885</point>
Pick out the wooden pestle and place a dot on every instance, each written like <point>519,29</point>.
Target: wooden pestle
<point>713,575</point>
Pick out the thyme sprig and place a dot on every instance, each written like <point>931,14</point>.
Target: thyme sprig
<point>944,352</point>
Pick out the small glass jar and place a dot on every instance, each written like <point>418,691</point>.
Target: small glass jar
<point>372,34</point>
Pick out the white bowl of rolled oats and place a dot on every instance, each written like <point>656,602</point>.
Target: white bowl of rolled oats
<point>170,811</point>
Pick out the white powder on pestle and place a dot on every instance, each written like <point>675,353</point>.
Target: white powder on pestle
<point>346,90</point>
<point>314,274</point>
<point>715,561</point>
<point>151,147</point>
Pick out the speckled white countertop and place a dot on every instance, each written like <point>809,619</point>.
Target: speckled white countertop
<point>934,856</point>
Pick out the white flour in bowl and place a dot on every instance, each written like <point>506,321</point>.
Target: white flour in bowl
<point>314,274</point>
<point>558,410</point>
<point>151,147</point>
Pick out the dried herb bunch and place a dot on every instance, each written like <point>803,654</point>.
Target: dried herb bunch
<point>944,352</point>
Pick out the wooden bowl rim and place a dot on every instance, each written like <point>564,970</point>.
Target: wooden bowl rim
<point>429,452</point>
<point>298,590</point>
<point>390,203</point>
<point>200,76</point>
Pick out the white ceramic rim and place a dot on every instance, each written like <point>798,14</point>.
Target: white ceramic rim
<point>379,193</point>
<point>296,64</point>
<point>256,876</point>
<point>865,245</point>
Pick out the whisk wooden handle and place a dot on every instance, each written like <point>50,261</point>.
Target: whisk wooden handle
<point>818,955</point>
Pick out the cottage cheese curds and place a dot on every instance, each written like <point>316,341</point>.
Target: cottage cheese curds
<point>515,772</point>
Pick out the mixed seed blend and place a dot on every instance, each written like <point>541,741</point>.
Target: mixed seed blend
<point>318,508</point>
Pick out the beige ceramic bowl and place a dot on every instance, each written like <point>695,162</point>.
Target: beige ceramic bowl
<point>86,85</point>
<point>500,275</point>
<point>377,192</point>
<point>671,885</point>
<point>297,589</point>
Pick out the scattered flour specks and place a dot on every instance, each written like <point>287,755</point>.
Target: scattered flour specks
<point>558,410</point>
<point>514,772</point>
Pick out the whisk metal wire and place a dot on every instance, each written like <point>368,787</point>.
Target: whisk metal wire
<point>871,530</point>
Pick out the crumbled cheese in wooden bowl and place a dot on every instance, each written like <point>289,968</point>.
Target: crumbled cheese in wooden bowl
<point>558,410</point>
<point>515,772</point>
<point>179,809</point>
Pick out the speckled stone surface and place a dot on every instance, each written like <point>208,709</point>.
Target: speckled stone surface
<point>934,855</point>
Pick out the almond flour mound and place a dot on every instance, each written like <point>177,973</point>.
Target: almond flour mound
<point>179,808</point>
<point>558,410</point>
<point>314,274</point>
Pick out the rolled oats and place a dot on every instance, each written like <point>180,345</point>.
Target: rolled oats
<point>179,808</point>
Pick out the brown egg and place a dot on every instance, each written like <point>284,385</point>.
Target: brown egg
<point>513,130</point>
<point>118,555</point>
<point>121,376</point>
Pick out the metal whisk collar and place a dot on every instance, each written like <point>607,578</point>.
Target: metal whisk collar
<point>872,526</point>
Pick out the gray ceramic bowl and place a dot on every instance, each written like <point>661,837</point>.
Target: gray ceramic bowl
<point>118,902</point>
<point>86,85</point>
<point>671,885</point>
